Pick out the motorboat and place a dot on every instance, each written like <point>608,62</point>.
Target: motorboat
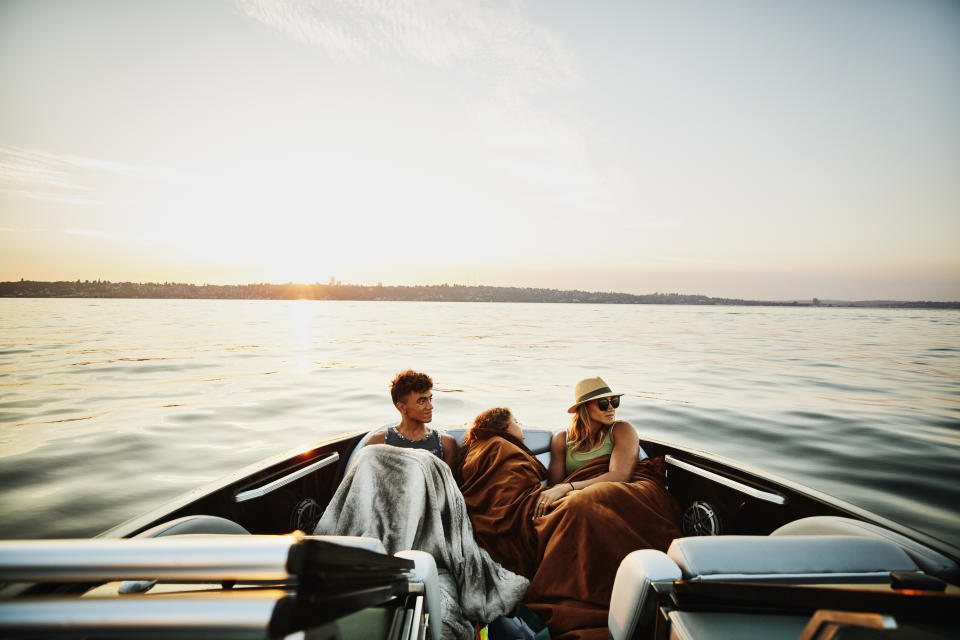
<point>760,557</point>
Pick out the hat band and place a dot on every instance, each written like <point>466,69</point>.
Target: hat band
<point>593,394</point>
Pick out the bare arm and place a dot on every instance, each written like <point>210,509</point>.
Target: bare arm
<point>378,438</point>
<point>558,455</point>
<point>449,449</point>
<point>626,446</point>
<point>556,473</point>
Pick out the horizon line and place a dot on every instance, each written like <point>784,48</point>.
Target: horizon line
<point>815,301</point>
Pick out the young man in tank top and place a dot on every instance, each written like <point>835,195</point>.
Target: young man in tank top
<point>412,395</point>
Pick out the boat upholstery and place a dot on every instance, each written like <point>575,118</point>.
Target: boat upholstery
<point>791,559</point>
<point>536,439</point>
<point>193,525</point>
<point>708,625</point>
<point>187,525</point>
<point>782,559</point>
<point>714,625</point>
<point>206,525</point>
<point>362,442</point>
<point>631,600</point>
<point>928,560</point>
<point>215,525</point>
<point>426,572</point>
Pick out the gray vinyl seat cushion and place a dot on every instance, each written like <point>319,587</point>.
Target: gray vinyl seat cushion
<point>794,559</point>
<point>705,625</point>
<point>196,524</point>
<point>186,526</point>
<point>363,441</point>
<point>781,559</point>
<point>536,439</point>
<point>928,560</point>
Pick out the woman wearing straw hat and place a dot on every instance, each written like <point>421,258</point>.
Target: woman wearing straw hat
<point>594,432</point>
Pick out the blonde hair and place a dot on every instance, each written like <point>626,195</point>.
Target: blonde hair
<point>580,426</point>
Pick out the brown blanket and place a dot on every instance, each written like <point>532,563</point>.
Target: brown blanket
<point>582,541</point>
<point>575,550</point>
<point>500,481</point>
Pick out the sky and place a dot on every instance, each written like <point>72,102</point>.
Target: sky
<point>757,149</point>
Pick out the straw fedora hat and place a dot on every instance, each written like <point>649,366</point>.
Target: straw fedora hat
<point>590,389</point>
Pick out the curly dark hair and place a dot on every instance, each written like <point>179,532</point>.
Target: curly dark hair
<point>496,418</point>
<point>407,382</point>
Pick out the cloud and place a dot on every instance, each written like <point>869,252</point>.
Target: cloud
<point>40,176</point>
<point>498,40</point>
<point>503,73</point>
<point>98,233</point>
<point>68,179</point>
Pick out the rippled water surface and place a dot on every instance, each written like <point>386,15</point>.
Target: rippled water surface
<point>109,408</point>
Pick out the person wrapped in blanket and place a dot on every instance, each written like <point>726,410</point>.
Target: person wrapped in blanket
<point>412,395</point>
<point>401,490</point>
<point>568,537</point>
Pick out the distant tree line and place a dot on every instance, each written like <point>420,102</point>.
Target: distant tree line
<point>424,293</point>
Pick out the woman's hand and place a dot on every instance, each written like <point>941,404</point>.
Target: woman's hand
<point>548,497</point>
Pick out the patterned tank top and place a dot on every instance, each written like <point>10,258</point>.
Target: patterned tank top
<point>430,442</point>
<point>575,460</point>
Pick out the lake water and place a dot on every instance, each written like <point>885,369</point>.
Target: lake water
<point>109,408</point>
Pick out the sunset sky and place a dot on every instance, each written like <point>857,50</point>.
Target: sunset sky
<point>752,149</point>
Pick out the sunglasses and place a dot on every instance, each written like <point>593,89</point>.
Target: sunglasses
<point>603,403</point>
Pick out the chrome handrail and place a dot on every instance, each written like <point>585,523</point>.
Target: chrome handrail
<point>259,492</point>
<point>759,494</point>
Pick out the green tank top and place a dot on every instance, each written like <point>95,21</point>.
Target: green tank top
<point>576,459</point>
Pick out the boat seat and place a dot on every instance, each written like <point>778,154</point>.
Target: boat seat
<point>426,572</point>
<point>790,559</point>
<point>537,440</point>
<point>362,442</point>
<point>928,560</point>
<point>824,623</point>
<point>206,525</point>
<point>336,583</point>
<point>187,525</point>
<point>195,524</point>
<point>707,625</point>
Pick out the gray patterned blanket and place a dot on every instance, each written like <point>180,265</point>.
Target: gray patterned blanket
<point>409,500</point>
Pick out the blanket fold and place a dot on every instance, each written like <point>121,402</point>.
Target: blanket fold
<point>572,554</point>
<point>500,482</point>
<point>408,499</point>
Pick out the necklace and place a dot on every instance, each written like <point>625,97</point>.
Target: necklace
<point>405,439</point>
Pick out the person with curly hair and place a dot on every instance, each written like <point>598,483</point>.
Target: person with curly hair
<point>568,538</point>
<point>412,395</point>
<point>498,419</point>
<point>406,497</point>
<point>500,479</point>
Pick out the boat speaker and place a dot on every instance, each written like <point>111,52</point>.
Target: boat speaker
<point>701,519</point>
<point>305,516</point>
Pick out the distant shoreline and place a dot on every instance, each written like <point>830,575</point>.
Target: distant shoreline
<point>420,293</point>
